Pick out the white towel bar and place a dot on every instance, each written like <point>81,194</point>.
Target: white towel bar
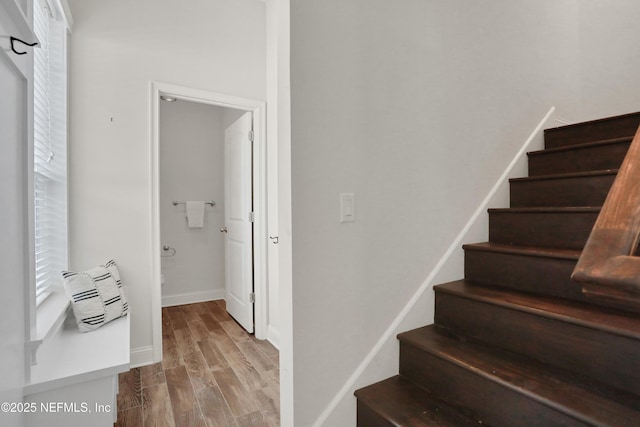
<point>211,203</point>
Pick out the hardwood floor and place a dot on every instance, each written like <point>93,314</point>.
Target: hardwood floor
<point>213,374</point>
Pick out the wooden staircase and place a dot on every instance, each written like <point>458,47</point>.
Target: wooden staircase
<point>517,342</point>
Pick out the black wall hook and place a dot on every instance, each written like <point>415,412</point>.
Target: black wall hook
<point>15,39</point>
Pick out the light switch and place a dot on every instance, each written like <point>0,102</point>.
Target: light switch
<point>347,207</point>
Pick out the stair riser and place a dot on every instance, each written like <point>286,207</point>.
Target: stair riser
<point>369,418</point>
<point>561,192</point>
<point>593,131</point>
<point>490,402</point>
<point>609,358</point>
<point>563,230</point>
<point>601,157</point>
<point>540,275</point>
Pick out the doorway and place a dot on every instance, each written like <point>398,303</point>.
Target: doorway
<point>206,206</point>
<point>258,199</point>
<point>191,168</point>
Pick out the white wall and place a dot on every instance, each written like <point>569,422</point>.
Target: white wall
<point>14,215</point>
<point>117,48</point>
<point>417,107</point>
<point>191,168</point>
<point>609,59</point>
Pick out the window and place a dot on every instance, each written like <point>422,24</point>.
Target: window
<point>50,147</point>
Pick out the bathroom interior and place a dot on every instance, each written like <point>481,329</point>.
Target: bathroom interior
<point>192,200</point>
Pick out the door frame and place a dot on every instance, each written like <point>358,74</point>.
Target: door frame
<point>258,108</point>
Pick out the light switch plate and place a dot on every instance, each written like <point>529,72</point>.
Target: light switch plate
<point>347,207</point>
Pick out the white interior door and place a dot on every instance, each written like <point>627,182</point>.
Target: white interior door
<point>239,221</point>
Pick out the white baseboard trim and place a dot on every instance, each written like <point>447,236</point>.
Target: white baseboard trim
<point>141,356</point>
<point>273,336</point>
<point>192,297</point>
<point>347,388</point>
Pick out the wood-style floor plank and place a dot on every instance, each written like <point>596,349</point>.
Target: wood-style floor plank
<point>195,308</point>
<point>151,375</point>
<point>129,389</point>
<point>215,409</point>
<point>268,400</point>
<point>273,420</point>
<point>170,353</point>
<point>224,343</point>
<point>157,409</point>
<point>245,371</point>
<point>265,346</point>
<point>177,316</point>
<point>166,322</point>
<point>235,331</point>
<point>209,321</point>
<point>272,378</point>
<point>211,375</point>
<point>212,354</point>
<point>194,361</point>
<point>256,356</point>
<point>235,393</point>
<point>192,418</point>
<point>180,391</point>
<point>197,329</point>
<point>275,359</point>
<point>254,419</point>
<point>131,417</point>
<point>219,312</point>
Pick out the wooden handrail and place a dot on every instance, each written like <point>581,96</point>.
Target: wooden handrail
<point>607,267</point>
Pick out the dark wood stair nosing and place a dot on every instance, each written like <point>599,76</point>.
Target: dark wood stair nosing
<point>540,252</point>
<point>581,146</point>
<point>568,175</point>
<point>547,209</point>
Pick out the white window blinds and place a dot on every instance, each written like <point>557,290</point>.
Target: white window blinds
<point>50,147</point>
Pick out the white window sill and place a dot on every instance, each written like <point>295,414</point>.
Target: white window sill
<point>71,357</point>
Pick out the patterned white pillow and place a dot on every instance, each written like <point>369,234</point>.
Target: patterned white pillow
<point>97,295</point>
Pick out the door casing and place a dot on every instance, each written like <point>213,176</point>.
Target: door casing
<point>259,199</point>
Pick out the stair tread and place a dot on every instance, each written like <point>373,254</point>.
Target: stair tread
<point>590,402</point>
<point>548,209</point>
<point>581,146</point>
<point>565,175</point>
<point>405,404</point>
<point>571,254</point>
<point>586,315</point>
